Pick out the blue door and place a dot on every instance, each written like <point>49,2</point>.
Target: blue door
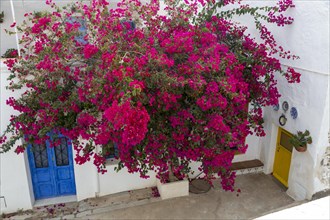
<point>52,169</point>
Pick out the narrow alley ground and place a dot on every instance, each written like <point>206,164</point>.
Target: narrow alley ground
<point>260,194</point>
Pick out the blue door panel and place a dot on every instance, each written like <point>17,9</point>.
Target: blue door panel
<point>43,176</point>
<point>45,190</point>
<point>63,174</point>
<point>64,167</point>
<point>65,187</point>
<point>52,169</point>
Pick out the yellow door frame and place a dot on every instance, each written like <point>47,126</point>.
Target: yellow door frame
<point>283,155</point>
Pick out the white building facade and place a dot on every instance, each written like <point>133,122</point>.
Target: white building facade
<point>308,172</point>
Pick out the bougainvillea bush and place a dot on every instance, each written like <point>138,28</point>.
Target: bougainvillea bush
<point>168,86</point>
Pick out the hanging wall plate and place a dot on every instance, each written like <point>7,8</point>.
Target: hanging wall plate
<point>294,113</point>
<point>282,120</point>
<point>276,107</point>
<point>285,106</point>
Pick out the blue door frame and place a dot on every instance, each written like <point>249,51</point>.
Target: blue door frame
<point>52,169</point>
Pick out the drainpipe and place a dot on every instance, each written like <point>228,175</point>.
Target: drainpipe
<point>14,20</point>
<point>97,191</point>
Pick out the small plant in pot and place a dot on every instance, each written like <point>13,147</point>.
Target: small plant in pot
<point>2,15</point>
<point>300,140</point>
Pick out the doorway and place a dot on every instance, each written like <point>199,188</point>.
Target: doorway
<point>51,168</point>
<point>283,155</point>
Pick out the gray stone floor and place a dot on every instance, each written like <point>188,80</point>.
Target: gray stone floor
<point>86,207</point>
<point>260,195</point>
<point>315,209</point>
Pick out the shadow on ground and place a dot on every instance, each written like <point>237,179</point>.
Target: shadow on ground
<point>260,194</point>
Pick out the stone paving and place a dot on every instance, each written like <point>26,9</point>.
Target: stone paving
<point>317,209</point>
<point>89,206</point>
<point>260,195</point>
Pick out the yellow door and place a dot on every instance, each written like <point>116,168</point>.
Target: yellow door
<point>282,156</point>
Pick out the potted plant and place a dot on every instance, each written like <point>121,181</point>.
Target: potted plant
<point>300,140</point>
<point>2,15</point>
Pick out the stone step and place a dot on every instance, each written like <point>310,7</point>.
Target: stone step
<point>116,201</point>
<point>249,166</point>
<point>73,210</point>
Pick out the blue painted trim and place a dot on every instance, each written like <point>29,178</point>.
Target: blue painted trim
<point>116,154</point>
<point>294,113</point>
<point>82,29</point>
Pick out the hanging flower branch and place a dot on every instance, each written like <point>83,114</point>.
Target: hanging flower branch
<point>10,53</point>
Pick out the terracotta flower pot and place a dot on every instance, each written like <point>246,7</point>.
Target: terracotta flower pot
<point>301,148</point>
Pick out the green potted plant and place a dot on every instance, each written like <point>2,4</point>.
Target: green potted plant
<point>300,140</point>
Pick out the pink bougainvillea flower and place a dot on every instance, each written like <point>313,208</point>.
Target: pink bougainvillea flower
<point>90,50</point>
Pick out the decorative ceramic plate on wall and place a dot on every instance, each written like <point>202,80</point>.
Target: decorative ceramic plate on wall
<point>282,120</point>
<point>294,113</point>
<point>285,106</point>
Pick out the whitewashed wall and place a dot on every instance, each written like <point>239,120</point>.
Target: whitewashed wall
<point>22,7</point>
<point>113,182</point>
<point>90,183</point>
<point>15,184</point>
<point>312,115</point>
<point>308,37</point>
<point>6,41</point>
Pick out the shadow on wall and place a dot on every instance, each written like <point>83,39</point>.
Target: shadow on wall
<point>324,170</point>
<point>301,176</point>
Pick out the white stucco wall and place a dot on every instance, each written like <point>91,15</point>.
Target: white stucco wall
<point>114,182</point>
<point>21,7</point>
<point>14,179</point>
<point>90,183</point>
<point>308,37</point>
<point>6,41</point>
<point>322,179</point>
<point>312,115</point>
<point>86,181</point>
<point>252,152</point>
